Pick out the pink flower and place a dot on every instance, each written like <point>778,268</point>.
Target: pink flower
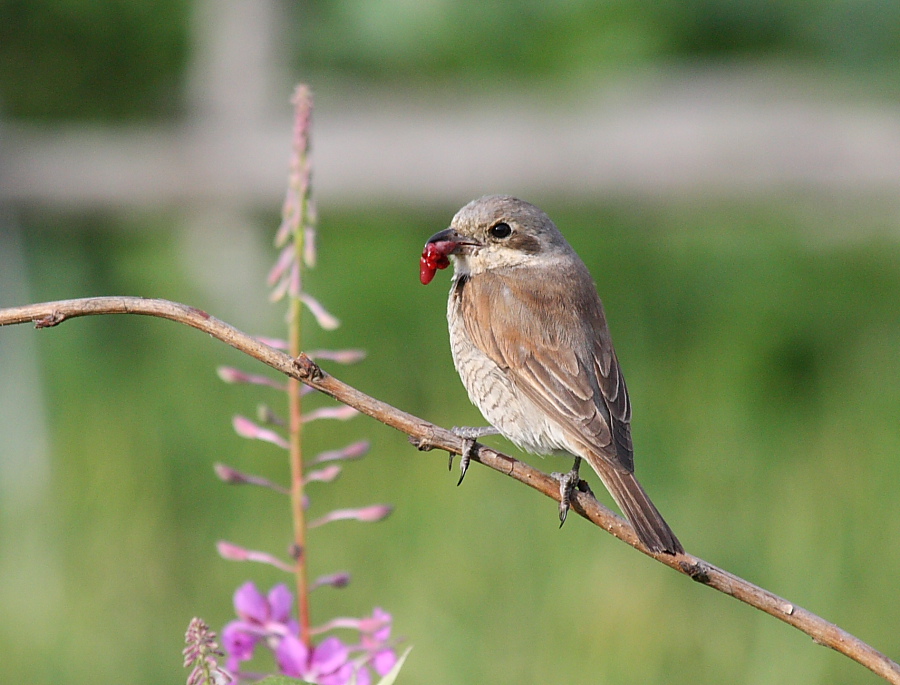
<point>259,618</point>
<point>329,663</point>
<point>383,661</point>
<point>267,619</point>
<point>292,656</point>
<point>239,645</point>
<point>374,635</point>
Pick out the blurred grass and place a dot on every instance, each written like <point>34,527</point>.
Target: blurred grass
<point>760,345</point>
<point>127,59</point>
<point>71,59</point>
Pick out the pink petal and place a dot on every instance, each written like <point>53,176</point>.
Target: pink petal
<point>288,211</point>
<point>235,477</point>
<point>375,629</point>
<point>371,514</point>
<point>281,265</point>
<point>329,656</point>
<point>326,475</point>
<point>309,246</point>
<point>339,356</point>
<point>374,513</point>
<point>232,552</point>
<point>382,632</point>
<point>342,413</point>
<point>384,661</point>
<point>232,375</point>
<point>341,676</point>
<point>352,451</point>
<point>250,604</point>
<point>293,281</point>
<point>247,429</point>
<point>292,657</point>
<point>340,622</point>
<point>281,602</point>
<point>228,474</point>
<point>280,290</point>
<point>325,320</point>
<point>239,642</point>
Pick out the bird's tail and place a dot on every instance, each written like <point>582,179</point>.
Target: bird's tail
<point>648,523</point>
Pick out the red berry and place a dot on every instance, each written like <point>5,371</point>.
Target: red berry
<point>426,271</point>
<point>433,258</point>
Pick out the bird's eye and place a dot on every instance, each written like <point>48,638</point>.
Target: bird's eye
<point>501,230</point>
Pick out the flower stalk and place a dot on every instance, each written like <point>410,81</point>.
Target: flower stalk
<point>299,649</point>
<point>295,215</point>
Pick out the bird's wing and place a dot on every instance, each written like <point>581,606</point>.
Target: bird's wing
<point>615,393</point>
<point>558,353</point>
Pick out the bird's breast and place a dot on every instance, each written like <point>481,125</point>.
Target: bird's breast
<point>491,390</point>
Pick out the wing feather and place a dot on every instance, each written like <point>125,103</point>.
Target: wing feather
<point>555,346</point>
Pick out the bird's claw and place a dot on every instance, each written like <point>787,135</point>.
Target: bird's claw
<point>469,435</point>
<point>464,458</point>
<point>568,483</point>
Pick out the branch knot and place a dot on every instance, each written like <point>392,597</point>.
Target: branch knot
<point>306,368</point>
<point>54,318</point>
<point>697,571</point>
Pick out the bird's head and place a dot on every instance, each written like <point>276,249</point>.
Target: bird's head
<point>494,232</point>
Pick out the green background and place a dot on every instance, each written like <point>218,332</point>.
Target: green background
<point>759,338</point>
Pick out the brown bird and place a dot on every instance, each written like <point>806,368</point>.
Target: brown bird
<point>530,342</point>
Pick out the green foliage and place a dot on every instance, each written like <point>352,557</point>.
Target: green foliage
<point>126,59</point>
<point>760,347</point>
<point>398,41</point>
<point>79,59</point>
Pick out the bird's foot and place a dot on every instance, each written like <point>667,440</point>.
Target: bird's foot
<point>469,435</point>
<point>568,484</point>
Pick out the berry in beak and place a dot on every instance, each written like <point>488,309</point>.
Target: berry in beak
<point>434,257</point>
<point>437,251</point>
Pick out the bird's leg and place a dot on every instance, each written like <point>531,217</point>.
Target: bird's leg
<point>469,434</point>
<point>568,483</point>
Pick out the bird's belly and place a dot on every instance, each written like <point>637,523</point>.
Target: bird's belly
<point>502,404</point>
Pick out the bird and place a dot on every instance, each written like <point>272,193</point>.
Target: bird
<point>530,341</point>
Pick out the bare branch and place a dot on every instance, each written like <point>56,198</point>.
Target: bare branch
<point>429,436</point>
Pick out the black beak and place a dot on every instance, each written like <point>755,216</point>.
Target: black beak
<point>447,235</point>
<point>459,241</point>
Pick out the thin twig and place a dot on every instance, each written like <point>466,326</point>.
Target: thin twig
<point>429,436</point>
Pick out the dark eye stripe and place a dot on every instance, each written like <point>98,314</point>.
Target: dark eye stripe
<point>526,243</point>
